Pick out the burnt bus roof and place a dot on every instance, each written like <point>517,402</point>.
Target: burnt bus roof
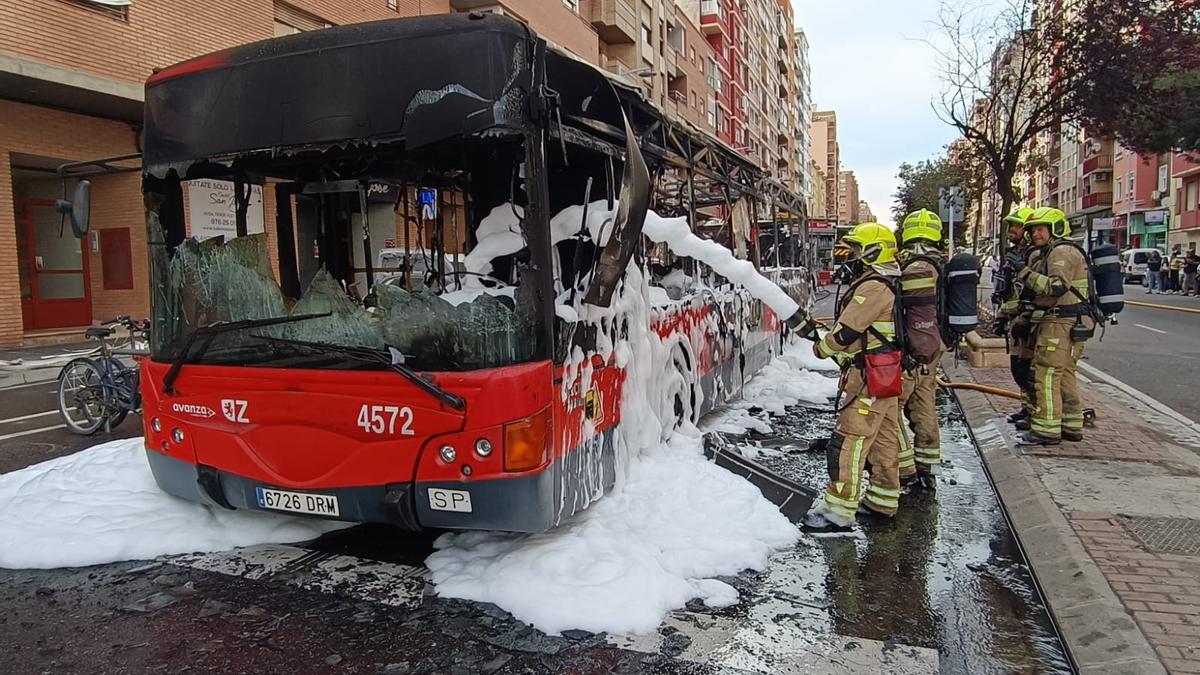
<point>413,80</point>
<point>422,78</point>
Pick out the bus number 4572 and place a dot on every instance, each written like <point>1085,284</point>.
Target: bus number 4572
<point>381,419</point>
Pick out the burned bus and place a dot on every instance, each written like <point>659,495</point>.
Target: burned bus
<point>486,387</point>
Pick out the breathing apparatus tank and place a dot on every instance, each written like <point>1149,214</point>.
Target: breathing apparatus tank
<point>1106,274</point>
<point>960,284</point>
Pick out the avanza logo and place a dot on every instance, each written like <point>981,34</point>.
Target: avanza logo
<point>193,410</point>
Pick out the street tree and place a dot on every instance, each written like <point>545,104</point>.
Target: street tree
<point>1143,83</point>
<point>920,187</point>
<point>1016,71</point>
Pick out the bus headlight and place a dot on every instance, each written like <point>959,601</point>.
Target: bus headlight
<point>177,435</point>
<point>156,425</point>
<point>483,447</point>
<point>447,453</point>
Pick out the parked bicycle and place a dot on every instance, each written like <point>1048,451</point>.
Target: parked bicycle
<point>99,391</point>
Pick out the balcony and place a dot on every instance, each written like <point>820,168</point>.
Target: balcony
<point>614,20</point>
<point>1099,163</point>
<point>1097,200</point>
<point>713,18</point>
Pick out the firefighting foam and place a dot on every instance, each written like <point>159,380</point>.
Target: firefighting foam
<point>674,522</point>
<point>101,505</point>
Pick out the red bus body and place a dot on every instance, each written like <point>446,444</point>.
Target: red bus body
<point>296,430</point>
<point>535,442</point>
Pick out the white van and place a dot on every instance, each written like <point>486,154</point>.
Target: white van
<point>1133,264</point>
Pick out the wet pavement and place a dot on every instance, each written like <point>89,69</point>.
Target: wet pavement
<point>946,574</point>
<point>940,588</point>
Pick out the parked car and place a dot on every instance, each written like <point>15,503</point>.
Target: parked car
<point>1133,264</point>
<point>391,266</point>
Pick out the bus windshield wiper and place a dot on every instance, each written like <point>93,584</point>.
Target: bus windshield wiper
<point>211,331</point>
<point>381,357</point>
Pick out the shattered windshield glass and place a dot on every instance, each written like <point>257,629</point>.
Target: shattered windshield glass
<point>394,281</point>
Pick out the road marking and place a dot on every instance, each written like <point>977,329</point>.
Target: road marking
<point>28,417</point>
<point>5,437</point>
<point>1139,325</point>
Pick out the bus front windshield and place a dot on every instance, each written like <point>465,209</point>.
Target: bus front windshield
<point>431,268</point>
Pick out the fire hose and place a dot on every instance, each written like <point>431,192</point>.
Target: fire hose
<point>979,387</point>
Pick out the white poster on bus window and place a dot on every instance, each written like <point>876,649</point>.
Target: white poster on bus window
<point>211,209</point>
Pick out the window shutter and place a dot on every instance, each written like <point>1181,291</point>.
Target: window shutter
<point>298,18</point>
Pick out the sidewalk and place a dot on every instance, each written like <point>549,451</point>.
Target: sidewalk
<point>1110,526</point>
<point>26,365</point>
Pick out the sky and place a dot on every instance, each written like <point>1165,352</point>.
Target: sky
<point>871,67</point>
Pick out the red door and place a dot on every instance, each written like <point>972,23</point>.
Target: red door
<point>55,288</point>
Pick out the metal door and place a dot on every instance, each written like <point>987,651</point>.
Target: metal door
<point>55,287</point>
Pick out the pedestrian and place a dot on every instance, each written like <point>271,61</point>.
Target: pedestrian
<point>1176,270</point>
<point>863,342</point>
<point>1154,265</point>
<point>1191,265</point>
<point>920,260</point>
<point>1013,317</point>
<point>1056,280</point>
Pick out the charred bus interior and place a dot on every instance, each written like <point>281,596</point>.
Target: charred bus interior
<point>456,224</point>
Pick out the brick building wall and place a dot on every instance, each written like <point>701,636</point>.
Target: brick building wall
<point>552,20</point>
<point>157,33</point>
<point>117,201</point>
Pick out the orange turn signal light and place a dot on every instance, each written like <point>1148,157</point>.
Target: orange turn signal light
<point>527,442</point>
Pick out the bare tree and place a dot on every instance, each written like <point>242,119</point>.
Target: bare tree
<point>1015,70</point>
<point>1001,83</point>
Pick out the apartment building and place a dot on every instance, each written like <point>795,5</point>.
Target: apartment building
<point>802,75</point>
<point>824,150</point>
<point>864,212</point>
<point>1141,209</point>
<point>847,199</point>
<point>817,203</point>
<point>1184,199</point>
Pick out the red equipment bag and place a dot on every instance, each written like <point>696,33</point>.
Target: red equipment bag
<point>884,371</point>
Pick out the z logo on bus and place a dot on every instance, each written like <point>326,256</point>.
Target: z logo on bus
<point>234,410</point>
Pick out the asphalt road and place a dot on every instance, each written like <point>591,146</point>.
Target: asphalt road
<point>31,430</point>
<point>941,587</point>
<point>1154,350</point>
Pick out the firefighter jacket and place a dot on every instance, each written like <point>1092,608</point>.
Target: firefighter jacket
<point>863,315</point>
<point>1055,281</point>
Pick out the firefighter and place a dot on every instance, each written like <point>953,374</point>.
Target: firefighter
<point>867,426</point>
<point>1013,316</point>
<point>1055,280</point>
<point>921,236</point>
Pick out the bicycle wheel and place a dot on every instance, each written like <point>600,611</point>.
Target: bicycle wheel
<point>83,397</point>
<point>123,392</point>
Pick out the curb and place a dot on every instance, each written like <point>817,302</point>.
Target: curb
<point>18,378</point>
<point>1099,634</point>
